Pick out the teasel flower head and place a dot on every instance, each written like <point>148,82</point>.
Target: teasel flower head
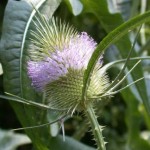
<point>59,58</point>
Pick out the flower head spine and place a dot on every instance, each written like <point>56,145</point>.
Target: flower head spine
<point>58,64</point>
<point>76,56</point>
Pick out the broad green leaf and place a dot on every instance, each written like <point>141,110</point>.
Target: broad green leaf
<point>69,144</point>
<point>133,121</point>
<point>10,140</point>
<point>122,7</point>
<point>1,70</point>
<point>76,6</point>
<point>13,54</point>
<point>119,34</point>
<point>14,43</point>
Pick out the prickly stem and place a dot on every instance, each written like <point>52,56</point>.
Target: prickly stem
<point>96,128</point>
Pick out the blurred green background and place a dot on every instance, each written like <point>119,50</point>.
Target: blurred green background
<point>126,121</point>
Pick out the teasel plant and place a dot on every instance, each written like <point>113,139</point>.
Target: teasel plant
<point>57,68</point>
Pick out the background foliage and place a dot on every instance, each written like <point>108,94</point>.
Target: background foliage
<point>125,117</point>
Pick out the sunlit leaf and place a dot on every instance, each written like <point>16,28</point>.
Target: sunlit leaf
<point>76,6</point>
<point>10,140</point>
<point>1,70</point>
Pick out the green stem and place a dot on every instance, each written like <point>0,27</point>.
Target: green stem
<point>96,128</point>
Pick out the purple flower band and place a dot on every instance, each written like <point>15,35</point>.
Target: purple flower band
<point>75,56</point>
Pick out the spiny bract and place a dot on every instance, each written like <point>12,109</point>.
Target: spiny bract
<point>59,58</point>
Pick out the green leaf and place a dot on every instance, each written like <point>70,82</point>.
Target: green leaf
<point>13,53</point>
<point>69,144</point>
<point>122,7</point>
<point>76,6</point>
<point>14,43</point>
<point>99,9</point>
<point>133,121</point>
<point>10,140</point>
<point>1,70</point>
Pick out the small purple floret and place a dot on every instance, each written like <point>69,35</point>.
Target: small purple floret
<point>75,56</point>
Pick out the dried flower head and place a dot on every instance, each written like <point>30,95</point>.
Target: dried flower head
<point>59,59</point>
